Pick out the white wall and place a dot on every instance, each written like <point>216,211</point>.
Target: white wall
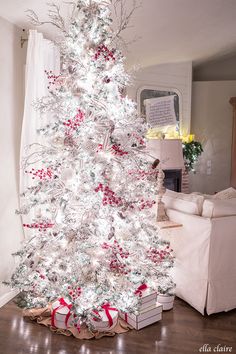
<point>170,76</point>
<point>212,118</point>
<point>216,70</point>
<point>12,59</point>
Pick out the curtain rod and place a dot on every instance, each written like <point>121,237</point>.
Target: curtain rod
<point>22,39</point>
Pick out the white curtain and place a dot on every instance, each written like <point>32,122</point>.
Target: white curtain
<point>42,55</point>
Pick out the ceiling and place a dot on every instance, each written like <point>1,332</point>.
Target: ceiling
<point>167,30</point>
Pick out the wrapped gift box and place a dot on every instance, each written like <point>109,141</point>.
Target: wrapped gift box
<point>61,315</point>
<point>148,299</point>
<point>144,318</point>
<point>167,301</point>
<point>106,319</point>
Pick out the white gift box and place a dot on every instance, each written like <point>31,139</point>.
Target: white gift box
<point>62,325</point>
<point>167,301</point>
<point>61,317</point>
<point>144,318</point>
<point>148,299</point>
<point>102,323</point>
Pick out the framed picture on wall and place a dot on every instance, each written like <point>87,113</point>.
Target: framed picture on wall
<point>160,106</point>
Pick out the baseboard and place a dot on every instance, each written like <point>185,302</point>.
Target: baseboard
<point>4,299</point>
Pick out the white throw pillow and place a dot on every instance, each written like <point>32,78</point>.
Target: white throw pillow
<point>206,196</point>
<point>187,203</point>
<point>215,208</point>
<point>228,193</point>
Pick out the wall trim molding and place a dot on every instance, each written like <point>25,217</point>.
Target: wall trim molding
<point>4,299</point>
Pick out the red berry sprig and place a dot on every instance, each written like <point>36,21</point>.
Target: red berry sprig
<point>41,226</point>
<point>75,122</point>
<point>114,149</point>
<point>42,174</point>
<point>158,256</point>
<point>52,78</point>
<point>117,251</point>
<point>117,267</point>
<point>146,204</point>
<point>103,51</point>
<point>74,292</point>
<point>109,197</point>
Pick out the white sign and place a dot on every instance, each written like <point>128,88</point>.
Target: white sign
<point>160,111</point>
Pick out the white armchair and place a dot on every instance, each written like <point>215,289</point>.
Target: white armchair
<point>205,267</point>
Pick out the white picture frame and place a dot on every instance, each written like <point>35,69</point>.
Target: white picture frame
<point>149,91</point>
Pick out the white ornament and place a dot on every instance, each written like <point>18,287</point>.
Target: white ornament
<point>67,174</point>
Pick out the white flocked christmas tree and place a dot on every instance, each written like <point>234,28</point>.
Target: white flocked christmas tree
<point>94,238</point>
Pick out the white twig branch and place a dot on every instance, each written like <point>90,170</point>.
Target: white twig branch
<point>74,7</point>
<point>54,15</point>
<point>123,17</point>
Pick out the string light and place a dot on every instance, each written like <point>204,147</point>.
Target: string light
<point>89,198</point>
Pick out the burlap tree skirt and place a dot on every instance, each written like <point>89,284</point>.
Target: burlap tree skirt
<point>43,316</point>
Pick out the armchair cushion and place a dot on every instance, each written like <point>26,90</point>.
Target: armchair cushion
<point>228,193</point>
<point>186,203</point>
<point>216,208</point>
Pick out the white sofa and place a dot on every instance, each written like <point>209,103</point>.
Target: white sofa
<point>205,249</point>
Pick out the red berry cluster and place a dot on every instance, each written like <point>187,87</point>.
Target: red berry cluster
<point>141,205</point>
<point>74,292</point>
<point>42,226</point>
<point>117,151</point>
<point>52,78</point>
<point>158,256</point>
<point>118,267</point>
<point>105,52</point>
<point>109,197</point>
<point>141,174</point>
<point>115,264</point>
<point>76,121</point>
<point>43,174</point>
<point>146,204</point>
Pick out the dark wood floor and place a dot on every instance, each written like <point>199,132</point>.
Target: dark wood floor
<point>182,330</point>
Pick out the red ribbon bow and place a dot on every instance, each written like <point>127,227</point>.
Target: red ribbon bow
<point>140,289</point>
<point>107,309</point>
<point>63,303</point>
